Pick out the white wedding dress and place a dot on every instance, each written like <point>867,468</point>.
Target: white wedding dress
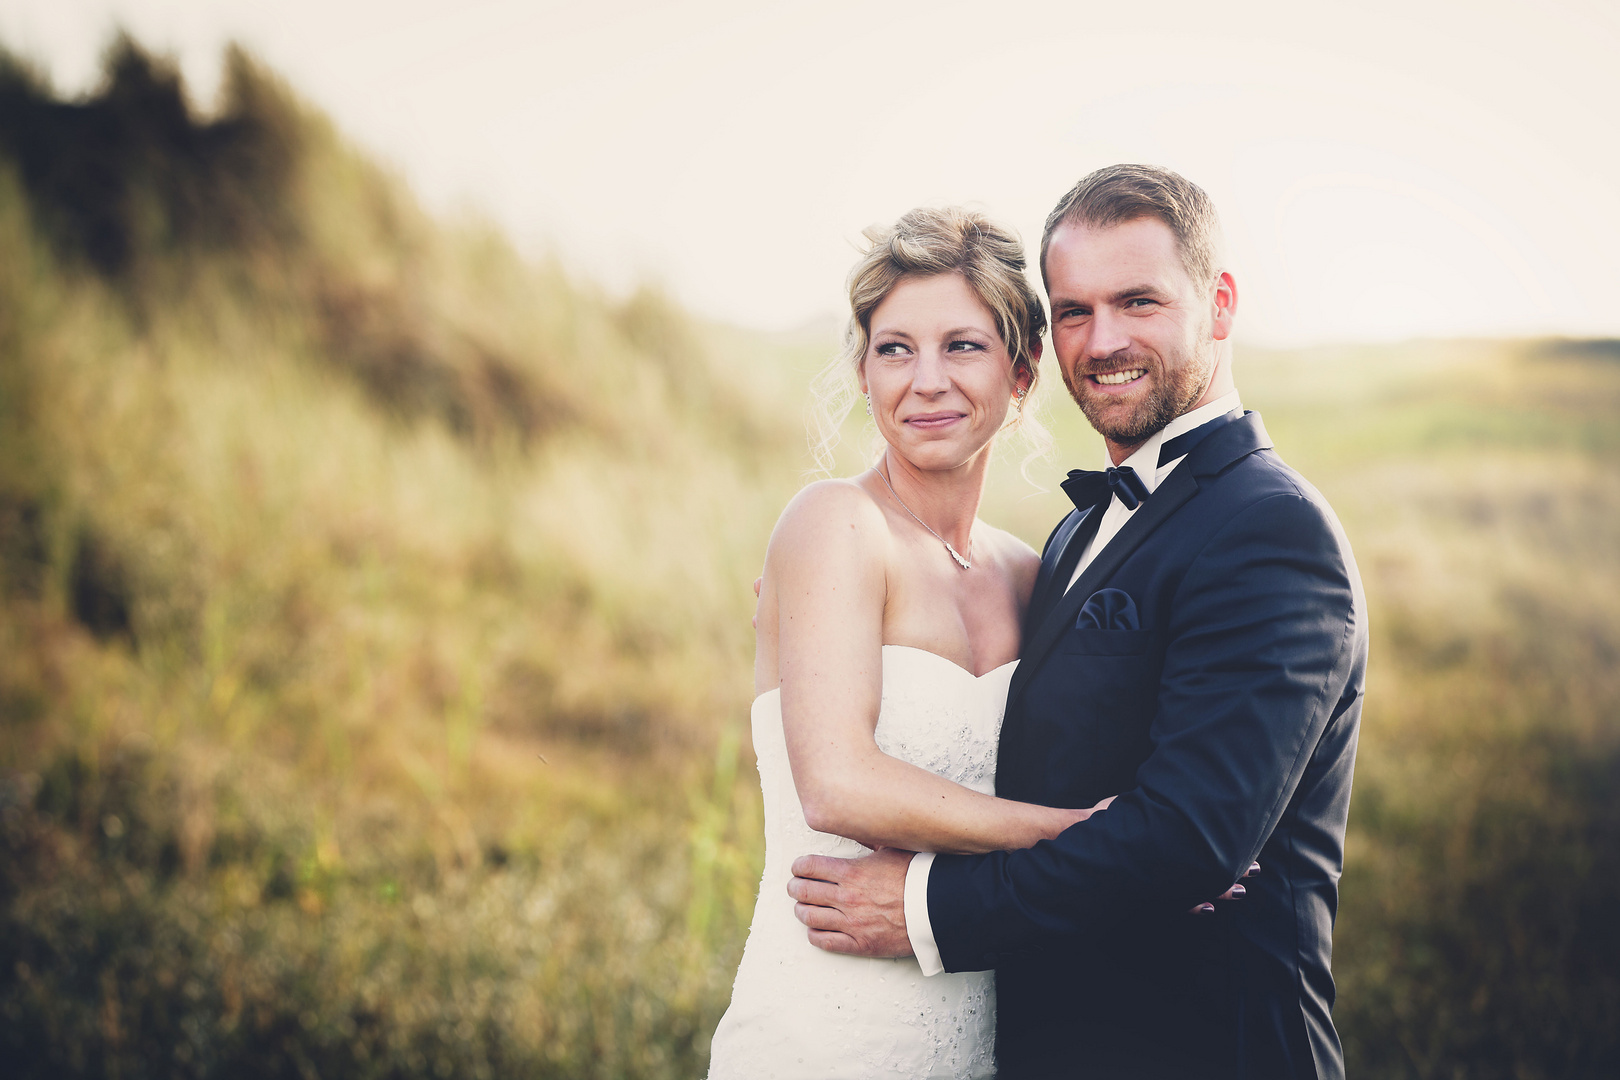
<point>799,1012</point>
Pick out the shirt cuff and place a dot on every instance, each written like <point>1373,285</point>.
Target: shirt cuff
<point>918,928</point>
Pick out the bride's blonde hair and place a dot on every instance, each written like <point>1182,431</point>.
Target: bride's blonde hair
<point>925,242</point>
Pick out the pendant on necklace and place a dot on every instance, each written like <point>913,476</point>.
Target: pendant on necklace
<point>963,563</point>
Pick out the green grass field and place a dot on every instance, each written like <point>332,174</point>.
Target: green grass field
<point>375,657</point>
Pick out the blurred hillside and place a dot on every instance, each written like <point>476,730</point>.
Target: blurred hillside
<point>374,649</point>
<point>355,571</point>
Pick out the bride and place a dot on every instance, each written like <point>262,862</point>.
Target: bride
<point>888,631</point>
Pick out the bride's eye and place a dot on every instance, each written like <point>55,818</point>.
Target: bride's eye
<point>890,348</point>
<point>965,345</point>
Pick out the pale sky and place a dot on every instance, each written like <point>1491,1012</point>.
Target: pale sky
<point>1384,169</point>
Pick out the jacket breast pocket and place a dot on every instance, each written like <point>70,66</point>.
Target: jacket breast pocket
<point>1107,642</point>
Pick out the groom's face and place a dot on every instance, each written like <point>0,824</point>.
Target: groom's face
<point>1131,331</point>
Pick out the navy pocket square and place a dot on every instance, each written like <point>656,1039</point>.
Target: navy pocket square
<point>1108,609</point>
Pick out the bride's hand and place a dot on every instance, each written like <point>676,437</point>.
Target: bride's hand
<point>1236,892</point>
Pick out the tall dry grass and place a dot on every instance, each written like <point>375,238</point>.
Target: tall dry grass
<point>367,642</point>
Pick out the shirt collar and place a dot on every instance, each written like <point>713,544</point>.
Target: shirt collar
<point>1145,459</point>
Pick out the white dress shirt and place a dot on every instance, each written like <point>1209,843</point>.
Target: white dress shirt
<point>1145,460</point>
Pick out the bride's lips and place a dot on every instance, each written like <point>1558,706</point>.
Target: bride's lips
<point>934,421</point>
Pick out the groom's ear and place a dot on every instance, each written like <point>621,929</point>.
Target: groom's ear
<point>1223,304</point>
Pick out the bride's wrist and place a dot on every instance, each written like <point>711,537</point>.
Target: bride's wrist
<point>1059,819</point>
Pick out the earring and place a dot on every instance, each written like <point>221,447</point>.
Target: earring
<point>868,398</point>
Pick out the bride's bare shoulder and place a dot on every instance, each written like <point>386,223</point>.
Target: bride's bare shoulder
<point>827,517</point>
<point>830,502</point>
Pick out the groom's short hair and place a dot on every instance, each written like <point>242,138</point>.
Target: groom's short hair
<point>1121,193</point>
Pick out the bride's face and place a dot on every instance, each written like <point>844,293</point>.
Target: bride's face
<point>939,375</point>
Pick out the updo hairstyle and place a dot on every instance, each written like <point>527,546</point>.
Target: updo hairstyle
<point>925,242</point>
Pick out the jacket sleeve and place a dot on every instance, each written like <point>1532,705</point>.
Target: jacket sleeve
<point>1259,650</point>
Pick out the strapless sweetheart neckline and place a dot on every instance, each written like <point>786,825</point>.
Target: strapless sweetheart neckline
<point>926,652</point>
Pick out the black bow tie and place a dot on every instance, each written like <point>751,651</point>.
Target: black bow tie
<point>1087,489</point>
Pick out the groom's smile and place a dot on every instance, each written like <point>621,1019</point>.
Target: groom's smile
<point>1118,378</point>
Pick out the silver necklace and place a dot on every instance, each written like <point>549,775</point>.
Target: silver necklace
<point>963,563</point>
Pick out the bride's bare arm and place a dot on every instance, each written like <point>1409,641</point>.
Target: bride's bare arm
<point>822,617</point>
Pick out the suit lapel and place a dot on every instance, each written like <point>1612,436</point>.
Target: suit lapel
<point>1212,455</point>
<point>1057,563</point>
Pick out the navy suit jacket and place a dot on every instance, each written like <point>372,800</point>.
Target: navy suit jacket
<point>1214,683</point>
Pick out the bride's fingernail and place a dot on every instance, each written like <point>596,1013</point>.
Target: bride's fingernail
<point>1203,908</point>
<point>1254,868</point>
<point>1238,890</point>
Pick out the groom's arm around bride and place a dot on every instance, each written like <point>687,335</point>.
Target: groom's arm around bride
<point>1202,654</point>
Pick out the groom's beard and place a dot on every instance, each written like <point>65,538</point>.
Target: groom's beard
<point>1172,389</point>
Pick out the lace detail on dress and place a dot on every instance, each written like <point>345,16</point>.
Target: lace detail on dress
<point>799,1012</point>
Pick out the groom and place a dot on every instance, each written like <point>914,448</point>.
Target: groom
<point>1197,645</point>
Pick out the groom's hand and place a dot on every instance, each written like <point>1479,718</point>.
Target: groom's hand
<point>855,906</point>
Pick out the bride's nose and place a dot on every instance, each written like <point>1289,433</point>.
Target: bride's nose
<point>929,375</point>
